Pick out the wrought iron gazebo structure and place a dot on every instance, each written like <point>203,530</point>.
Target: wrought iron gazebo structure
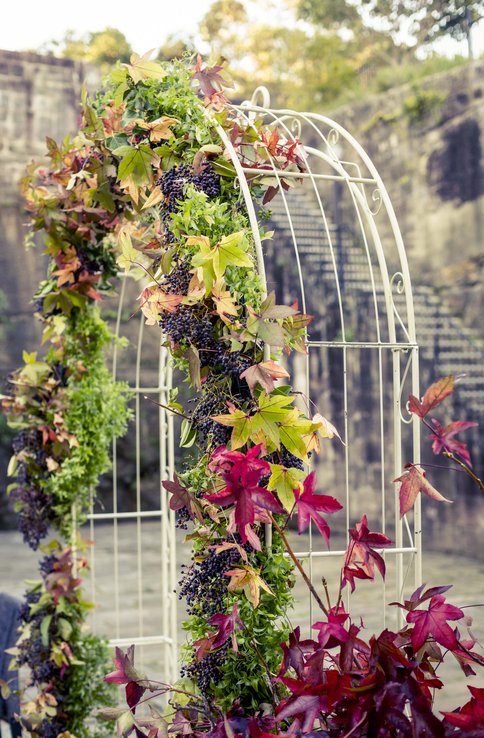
<point>372,339</point>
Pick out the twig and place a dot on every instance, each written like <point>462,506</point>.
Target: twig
<point>360,722</point>
<point>166,407</point>
<point>465,468</point>
<point>299,566</point>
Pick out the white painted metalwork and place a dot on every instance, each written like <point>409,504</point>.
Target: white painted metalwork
<point>133,559</point>
<point>334,159</point>
<point>357,265</point>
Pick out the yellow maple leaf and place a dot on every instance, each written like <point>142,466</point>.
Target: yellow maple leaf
<point>142,68</point>
<point>224,302</point>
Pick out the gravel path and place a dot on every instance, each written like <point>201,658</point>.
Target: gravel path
<point>18,563</point>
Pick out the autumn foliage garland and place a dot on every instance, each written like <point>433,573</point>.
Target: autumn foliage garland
<point>153,163</point>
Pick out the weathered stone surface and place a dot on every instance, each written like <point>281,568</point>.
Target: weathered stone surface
<point>430,157</point>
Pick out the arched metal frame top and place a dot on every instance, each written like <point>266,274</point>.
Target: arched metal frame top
<point>394,343</point>
<point>357,173</point>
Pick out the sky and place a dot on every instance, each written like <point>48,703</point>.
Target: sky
<point>28,24</point>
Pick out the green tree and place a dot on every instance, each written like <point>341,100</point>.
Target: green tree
<point>431,19</point>
<point>425,20</point>
<point>175,48</point>
<point>102,48</point>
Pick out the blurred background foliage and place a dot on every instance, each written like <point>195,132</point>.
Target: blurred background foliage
<point>310,53</point>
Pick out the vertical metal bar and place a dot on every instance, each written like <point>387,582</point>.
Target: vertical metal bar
<point>139,548</point>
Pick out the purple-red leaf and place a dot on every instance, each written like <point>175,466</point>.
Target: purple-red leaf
<point>433,622</point>
<point>242,489</point>
<point>443,438</point>
<point>180,494</point>
<point>471,715</point>
<point>332,633</point>
<point>226,627</point>
<point>209,78</point>
<point>134,693</point>
<point>125,671</point>
<point>412,482</point>
<point>435,394</point>
<point>310,506</point>
<point>361,556</point>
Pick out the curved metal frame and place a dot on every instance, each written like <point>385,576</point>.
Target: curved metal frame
<point>358,175</point>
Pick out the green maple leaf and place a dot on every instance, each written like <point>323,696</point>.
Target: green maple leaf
<point>292,430</point>
<point>230,251</point>
<point>284,481</point>
<point>241,423</point>
<point>273,409</point>
<point>136,161</point>
<point>263,323</point>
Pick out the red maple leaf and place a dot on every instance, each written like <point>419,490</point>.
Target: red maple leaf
<point>242,490</point>
<point>309,506</point>
<point>415,481</point>
<point>296,653</point>
<point>332,633</point>
<point>211,82</point>
<point>470,715</point>
<point>226,627</point>
<point>433,622</point>
<point>442,438</point>
<point>435,394</point>
<point>125,671</point>
<point>361,557</point>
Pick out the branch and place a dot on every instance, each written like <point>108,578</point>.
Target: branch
<point>465,468</point>
<point>299,566</point>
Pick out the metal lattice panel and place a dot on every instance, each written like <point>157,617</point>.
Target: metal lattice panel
<point>338,249</point>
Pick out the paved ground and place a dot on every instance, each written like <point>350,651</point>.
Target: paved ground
<point>18,563</point>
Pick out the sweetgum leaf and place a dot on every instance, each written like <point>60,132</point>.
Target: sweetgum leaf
<point>248,579</point>
<point>435,394</point>
<point>443,438</point>
<point>284,481</point>
<point>263,374</point>
<point>433,622</point>
<point>412,482</point>
<point>141,67</point>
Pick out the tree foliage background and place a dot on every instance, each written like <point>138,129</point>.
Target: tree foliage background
<point>311,53</point>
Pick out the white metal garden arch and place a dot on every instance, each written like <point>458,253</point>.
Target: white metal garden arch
<point>386,352</point>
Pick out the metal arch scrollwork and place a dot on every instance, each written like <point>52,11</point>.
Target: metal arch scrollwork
<point>409,417</point>
<point>397,283</point>
<point>293,123</point>
<point>261,98</point>
<point>376,197</point>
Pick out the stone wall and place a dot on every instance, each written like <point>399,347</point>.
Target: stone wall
<point>39,97</point>
<point>426,140</point>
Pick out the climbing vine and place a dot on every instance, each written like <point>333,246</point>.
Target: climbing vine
<point>149,180</point>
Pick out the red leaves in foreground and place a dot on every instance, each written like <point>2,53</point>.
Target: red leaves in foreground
<point>361,556</point>
<point>471,715</point>
<point>310,506</point>
<point>412,482</point>
<point>242,490</point>
<point>433,622</point>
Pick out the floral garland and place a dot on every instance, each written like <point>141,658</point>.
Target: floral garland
<point>153,166</point>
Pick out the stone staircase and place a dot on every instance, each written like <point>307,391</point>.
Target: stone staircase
<point>446,345</point>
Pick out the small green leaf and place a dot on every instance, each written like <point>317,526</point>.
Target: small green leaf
<point>65,628</point>
<point>188,434</point>
<point>44,629</point>
<point>284,481</point>
<point>125,722</point>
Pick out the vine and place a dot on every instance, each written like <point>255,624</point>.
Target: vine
<point>158,185</point>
